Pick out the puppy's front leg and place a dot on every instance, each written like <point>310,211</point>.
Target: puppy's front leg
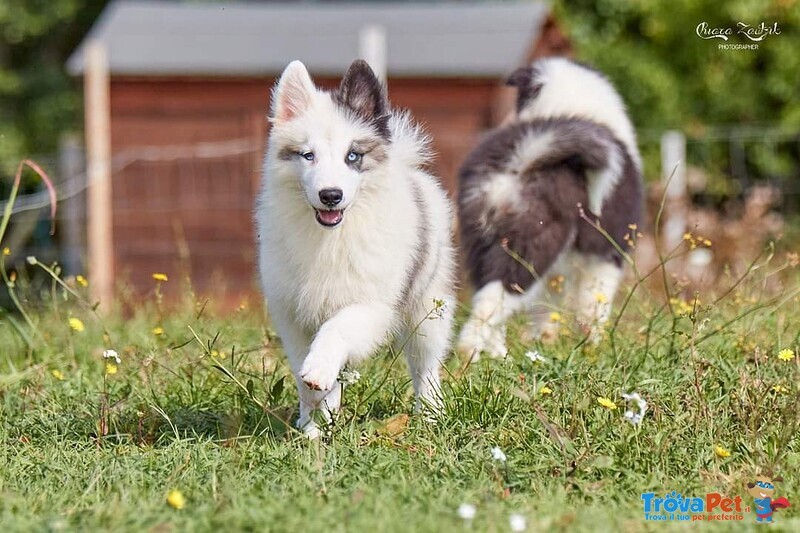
<point>351,334</point>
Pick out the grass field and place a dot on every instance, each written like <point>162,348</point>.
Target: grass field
<point>202,404</point>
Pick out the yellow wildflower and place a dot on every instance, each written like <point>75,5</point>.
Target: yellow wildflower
<point>707,242</point>
<point>83,282</point>
<point>57,374</point>
<point>555,317</point>
<point>600,298</point>
<point>111,369</point>
<point>607,403</point>
<point>687,236</point>
<point>158,330</point>
<point>6,251</point>
<point>158,276</point>
<point>176,500</point>
<point>721,452</point>
<point>545,390</point>
<point>780,389</point>
<point>786,354</point>
<point>76,324</point>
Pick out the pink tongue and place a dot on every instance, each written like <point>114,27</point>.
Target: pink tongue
<point>330,217</point>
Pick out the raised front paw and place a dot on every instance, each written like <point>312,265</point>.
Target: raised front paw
<point>319,373</point>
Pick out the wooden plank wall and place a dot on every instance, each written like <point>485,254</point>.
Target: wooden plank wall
<point>193,216</point>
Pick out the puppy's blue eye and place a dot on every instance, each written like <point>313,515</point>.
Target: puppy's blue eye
<point>353,156</point>
<point>308,156</point>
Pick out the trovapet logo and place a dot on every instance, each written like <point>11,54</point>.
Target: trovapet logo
<point>711,507</point>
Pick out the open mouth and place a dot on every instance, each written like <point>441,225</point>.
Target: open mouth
<point>329,217</point>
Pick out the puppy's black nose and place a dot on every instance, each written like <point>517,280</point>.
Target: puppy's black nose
<point>331,197</point>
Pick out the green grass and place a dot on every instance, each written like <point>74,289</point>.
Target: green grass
<point>98,451</point>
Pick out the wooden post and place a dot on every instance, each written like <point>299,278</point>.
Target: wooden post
<point>70,162</point>
<point>372,48</point>
<point>673,175</point>
<point>98,167</point>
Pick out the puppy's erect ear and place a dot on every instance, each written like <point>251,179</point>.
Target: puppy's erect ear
<point>524,79</point>
<point>521,77</point>
<point>292,94</point>
<point>364,94</point>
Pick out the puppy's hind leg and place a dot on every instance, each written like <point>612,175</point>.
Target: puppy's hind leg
<point>485,330</point>
<point>598,283</point>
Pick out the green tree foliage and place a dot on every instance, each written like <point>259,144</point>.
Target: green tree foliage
<point>671,78</point>
<point>38,100</point>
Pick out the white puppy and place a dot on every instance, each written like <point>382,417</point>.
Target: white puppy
<point>355,247</point>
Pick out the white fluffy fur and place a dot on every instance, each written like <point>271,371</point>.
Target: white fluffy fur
<point>333,294</point>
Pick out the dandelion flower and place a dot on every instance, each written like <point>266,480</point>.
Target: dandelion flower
<point>76,324</point>
<point>545,390</point>
<point>466,511</point>
<point>600,298</point>
<point>721,452</point>
<point>112,354</point>
<point>517,522</point>
<point>535,356</point>
<point>158,330</point>
<point>607,403</point>
<point>6,251</point>
<point>158,276</point>
<point>786,354</point>
<point>83,282</point>
<point>111,369</point>
<point>555,317</point>
<point>176,500</point>
<point>57,374</point>
<point>498,455</point>
<point>780,389</point>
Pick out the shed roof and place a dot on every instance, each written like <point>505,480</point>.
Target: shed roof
<point>442,39</point>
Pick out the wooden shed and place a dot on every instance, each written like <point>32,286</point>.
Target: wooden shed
<point>189,94</point>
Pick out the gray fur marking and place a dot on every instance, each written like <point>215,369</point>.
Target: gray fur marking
<point>423,246</point>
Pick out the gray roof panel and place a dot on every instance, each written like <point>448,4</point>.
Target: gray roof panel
<point>432,39</point>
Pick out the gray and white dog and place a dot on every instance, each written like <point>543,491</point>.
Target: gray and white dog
<point>568,153</point>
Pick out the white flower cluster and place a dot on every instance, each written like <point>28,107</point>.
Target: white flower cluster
<point>112,354</point>
<point>439,309</point>
<point>535,356</point>
<point>635,417</point>
<point>348,376</point>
